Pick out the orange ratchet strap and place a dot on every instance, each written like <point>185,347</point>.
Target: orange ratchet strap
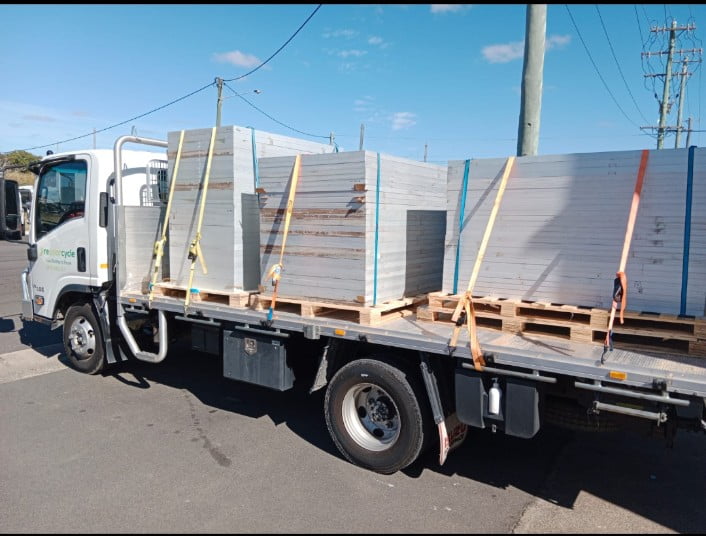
<point>620,284</point>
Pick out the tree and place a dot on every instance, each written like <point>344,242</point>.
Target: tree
<point>18,158</point>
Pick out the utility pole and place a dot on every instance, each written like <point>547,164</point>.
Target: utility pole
<point>682,90</point>
<point>362,134</point>
<point>665,94</point>
<point>425,152</point>
<point>531,99</point>
<point>331,137</point>
<point>664,105</point>
<point>219,102</point>
<point>688,134</point>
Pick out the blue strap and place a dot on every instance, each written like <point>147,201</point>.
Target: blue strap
<point>377,223</point>
<point>256,173</point>
<point>461,215</point>
<point>687,230</point>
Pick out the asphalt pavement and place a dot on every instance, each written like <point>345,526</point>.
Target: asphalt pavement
<point>176,447</point>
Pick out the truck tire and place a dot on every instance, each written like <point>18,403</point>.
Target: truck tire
<point>83,339</point>
<point>377,415</point>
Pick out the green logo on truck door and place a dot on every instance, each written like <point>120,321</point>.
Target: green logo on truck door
<point>59,256</point>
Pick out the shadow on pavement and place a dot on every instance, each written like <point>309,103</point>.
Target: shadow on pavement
<point>6,325</point>
<point>40,337</point>
<point>556,465</point>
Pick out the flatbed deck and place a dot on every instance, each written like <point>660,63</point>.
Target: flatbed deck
<point>537,354</point>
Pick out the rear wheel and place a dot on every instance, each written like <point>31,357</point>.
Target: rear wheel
<point>377,415</point>
<point>83,339</point>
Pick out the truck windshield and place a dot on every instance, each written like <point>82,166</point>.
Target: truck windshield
<point>61,195</point>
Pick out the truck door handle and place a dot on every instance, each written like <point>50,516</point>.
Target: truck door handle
<point>103,210</point>
<point>81,259</point>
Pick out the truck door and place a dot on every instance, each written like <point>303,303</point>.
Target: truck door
<point>60,232</point>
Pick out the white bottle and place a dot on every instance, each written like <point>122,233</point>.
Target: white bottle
<point>494,398</point>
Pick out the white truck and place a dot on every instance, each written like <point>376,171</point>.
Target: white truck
<point>393,391</point>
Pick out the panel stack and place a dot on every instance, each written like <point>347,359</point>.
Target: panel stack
<point>561,225</point>
<point>230,233</point>
<point>366,229</point>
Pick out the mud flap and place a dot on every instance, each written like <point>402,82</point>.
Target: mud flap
<point>452,434</point>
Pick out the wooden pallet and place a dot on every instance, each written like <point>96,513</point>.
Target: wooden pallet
<point>364,315</point>
<point>237,298</point>
<point>641,330</point>
<point>655,331</point>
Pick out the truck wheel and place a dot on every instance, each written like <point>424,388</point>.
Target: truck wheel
<point>377,416</point>
<point>83,340</point>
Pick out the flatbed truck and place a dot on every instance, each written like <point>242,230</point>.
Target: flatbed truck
<point>393,390</point>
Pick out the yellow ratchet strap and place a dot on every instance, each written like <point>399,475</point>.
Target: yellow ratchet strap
<point>195,246</point>
<point>158,252</point>
<point>276,271</point>
<point>464,311</point>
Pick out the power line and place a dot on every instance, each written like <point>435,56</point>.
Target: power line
<point>596,68</point>
<point>272,118</point>
<point>180,98</point>
<point>278,50</point>
<point>639,28</point>
<point>618,64</point>
<point>122,122</point>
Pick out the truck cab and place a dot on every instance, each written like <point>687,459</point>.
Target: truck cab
<point>68,240</point>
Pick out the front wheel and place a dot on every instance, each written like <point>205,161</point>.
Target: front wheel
<point>377,415</point>
<point>83,339</point>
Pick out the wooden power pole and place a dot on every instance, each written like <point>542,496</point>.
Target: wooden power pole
<point>531,100</point>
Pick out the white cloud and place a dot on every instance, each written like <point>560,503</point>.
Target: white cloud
<point>375,40</point>
<point>402,120</point>
<point>346,34</point>
<point>448,8</point>
<point>504,53</point>
<point>514,50</point>
<point>364,105</point>
<point>238,58</point>
<point>556,41</point>
<point>39,117</point>
<point>347,67</point>
<point>352,53</point>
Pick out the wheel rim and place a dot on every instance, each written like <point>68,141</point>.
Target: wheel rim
<point>82,338</point>
<point>371,417</point>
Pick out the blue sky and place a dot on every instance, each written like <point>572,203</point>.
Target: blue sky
<point>444,75</point>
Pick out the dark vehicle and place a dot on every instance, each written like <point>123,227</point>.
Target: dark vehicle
<point>10,210</point>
